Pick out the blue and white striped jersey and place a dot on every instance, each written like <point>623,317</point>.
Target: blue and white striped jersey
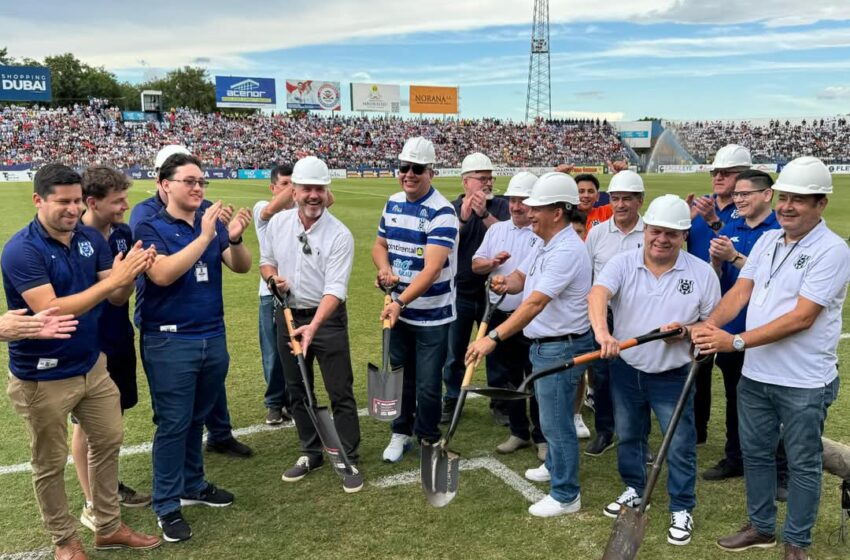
<point>407,228</point>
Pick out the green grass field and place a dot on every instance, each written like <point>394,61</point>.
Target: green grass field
<point>314,518</point>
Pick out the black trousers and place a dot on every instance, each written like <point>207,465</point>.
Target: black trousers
<point>730,363</point>
<point>702,399</point>
<point>331,348</point>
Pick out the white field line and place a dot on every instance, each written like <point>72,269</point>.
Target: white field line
<point>499,469</point>
<point>37,554</point>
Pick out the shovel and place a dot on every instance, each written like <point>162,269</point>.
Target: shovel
<point>523,392</point>
<point>630,526</point>
<point>439,467</point>
<point>385,385</point>
<point>319,415</point>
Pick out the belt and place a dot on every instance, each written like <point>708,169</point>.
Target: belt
<point>304,312</point>
<point>560,338</point>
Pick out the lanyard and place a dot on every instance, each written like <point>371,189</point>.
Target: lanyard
<point>773,271</point>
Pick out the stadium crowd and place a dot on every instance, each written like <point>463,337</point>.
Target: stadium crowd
<point>777,141</point>
<point>95,133</point>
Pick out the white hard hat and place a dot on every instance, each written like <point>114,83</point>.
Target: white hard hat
<point>167,152</point>
<point>521,184</point>
<point>311,171</point>
<point>626,181</point>
<point>668,211</point>
<point>804,175</point>
<point>418,150</point>
<point>475,161</point>
<point>732,155</point>
<point>553,187</point>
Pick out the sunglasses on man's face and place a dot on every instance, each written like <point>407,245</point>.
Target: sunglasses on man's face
<point>417,168</point>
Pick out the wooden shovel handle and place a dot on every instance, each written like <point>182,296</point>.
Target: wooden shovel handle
<point>290,327</point>
<point>387,301</point>
<point>467,376</point>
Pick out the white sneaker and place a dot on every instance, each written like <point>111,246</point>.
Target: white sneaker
<point>87,518</point>
<point>398,446</point>
<point>681,528</point>
<point>581,429</point>
<point>550,507</point>
<point>542,450</point>
<point>629,498</point>
<point>512,444</point>
<point>540,474</point>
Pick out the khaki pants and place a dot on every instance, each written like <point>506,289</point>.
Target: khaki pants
<point>45,406</point>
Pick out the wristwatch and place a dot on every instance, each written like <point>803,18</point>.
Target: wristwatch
<point>716,225</point>
<point>738,343</point>
<point>494,335</point>
<point>401,305</point>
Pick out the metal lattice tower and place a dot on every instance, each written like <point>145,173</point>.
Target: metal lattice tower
<point>539,100</point>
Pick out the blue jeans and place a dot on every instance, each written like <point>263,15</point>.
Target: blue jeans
<point>185,379</point>
<point>762,407</point>
<point>469,311</point>
<point>422,351</point>
<point>636,394</point>
<point>556,397</point>
<point>272,369</point>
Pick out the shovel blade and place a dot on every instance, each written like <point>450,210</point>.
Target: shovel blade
<point>629,530</point>
<point>440,470</point>
<point>330,439</point>
<point>500,393</point>
<point>384,391</point>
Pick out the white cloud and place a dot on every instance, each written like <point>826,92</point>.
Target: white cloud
<point>835,92</point>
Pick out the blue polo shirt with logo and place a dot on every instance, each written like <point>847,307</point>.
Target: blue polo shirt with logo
<point>700,235</point>
<point>31,259</point>
<point>191,307</point>
<point>743,237</point>
<point>116,331</point>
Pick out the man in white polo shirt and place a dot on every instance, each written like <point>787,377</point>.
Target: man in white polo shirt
<point>554,280</point>
<point>622,232</point>
<point>795,282</point>
<point>658,285</point>
<point>309,253</point>
<point>505,246</point>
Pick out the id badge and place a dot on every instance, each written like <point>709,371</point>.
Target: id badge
<point>761,294</point>
<point>201,273</point>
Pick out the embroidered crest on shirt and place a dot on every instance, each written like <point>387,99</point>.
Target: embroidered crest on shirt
<point>801,261</point>
<point>121,245</point>
<point>85,248</point>
<point>686,286</point>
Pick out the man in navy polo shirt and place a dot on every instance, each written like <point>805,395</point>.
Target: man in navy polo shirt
<point>219,429</point>
<point>55,262</point>
<point>752,195</point>
<point>184,349</point>
<point>709,213</point>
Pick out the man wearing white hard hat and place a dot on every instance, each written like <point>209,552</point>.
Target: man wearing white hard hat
<point>709,214</point>
<point>415,252</point>
<point>554,281</point>
<point>794,282</point>
<point>220,437</point>
<point>620,233</point>
<point>477,210</point>
<point>506,245</point>
<point>657,285</point>
<point>309,253</point>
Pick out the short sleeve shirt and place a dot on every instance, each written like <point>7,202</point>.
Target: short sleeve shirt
<point>518,242</point>
<point>116,331</point>
<point>700,235</point>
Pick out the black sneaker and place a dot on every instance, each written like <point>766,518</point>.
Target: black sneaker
<point>230,446</point>
<point>353,482</point>
<point>499,416</point>
<point>723,470</point>
<point>286,415</point>
<point>174,527</point>
<point>209,496</point>
<point>302,468</point>
<point>448,411</point>
<point>599,445</point>
<point>274,417</point>
<point>128,497</point>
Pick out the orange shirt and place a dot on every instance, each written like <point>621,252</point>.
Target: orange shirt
<point>598,215</point>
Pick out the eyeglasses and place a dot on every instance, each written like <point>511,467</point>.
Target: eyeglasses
<point>723,173</point>
<point>745,194</point>
<point>483,179</point>
<point>417,168</point>
<point>191,183</point>
<point>305,246</point>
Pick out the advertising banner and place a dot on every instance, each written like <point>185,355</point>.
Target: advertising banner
<point>637,134</point>
<point>698,168</point>
<point>839,168</point>
<point>433,99</point>
<point>313,95</point>
<point>383,98</point>
<point>133,116</point>
<point>25,83</point>
<point>140,173</point>
<point>254,174</point>
<point>24,176</point>
<point>338,174</point>
<point>766,167</point>
<point>244,93</point>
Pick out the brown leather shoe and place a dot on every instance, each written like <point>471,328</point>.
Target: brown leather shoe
<point>795,552</point>
<point>747,537</point>
<point>72,549</point>
<point>125,537</point>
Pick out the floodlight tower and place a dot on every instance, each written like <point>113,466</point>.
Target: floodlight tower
<point>539,100</point>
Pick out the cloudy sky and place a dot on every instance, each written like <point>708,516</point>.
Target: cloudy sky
<point>624,59</point>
